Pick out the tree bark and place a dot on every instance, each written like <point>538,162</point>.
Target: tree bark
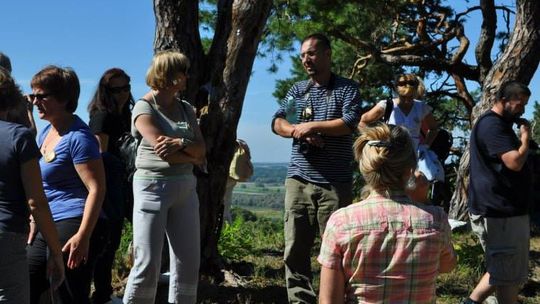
<point>223,74</point>
<point>519,61</point>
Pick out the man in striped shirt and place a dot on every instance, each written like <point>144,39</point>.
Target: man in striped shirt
<point>320,115</point>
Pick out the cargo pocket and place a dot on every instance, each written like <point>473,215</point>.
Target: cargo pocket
<point>504,264</point>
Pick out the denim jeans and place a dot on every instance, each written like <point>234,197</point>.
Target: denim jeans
<point>14,281</point>
<point>169,206</point>
<point>307,209</point>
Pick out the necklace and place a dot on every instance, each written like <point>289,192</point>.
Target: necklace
<point>51,140</point>
<point>49,156</point>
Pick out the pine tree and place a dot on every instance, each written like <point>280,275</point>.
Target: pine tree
<point>536,122</point>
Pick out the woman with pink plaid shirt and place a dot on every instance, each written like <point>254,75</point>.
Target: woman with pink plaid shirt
<point>385,248</point>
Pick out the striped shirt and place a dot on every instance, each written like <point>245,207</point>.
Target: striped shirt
<point>390,250</point>
<point>339,100</point>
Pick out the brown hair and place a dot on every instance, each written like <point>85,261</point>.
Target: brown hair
<point>63,83</point>
<point>10,93</point>
<point>103,100</point>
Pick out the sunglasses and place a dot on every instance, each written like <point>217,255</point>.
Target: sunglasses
<point>403,83</point>
<point>39,96</point>
<point>116,90</point>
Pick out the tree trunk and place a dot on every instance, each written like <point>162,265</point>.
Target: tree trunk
<point>519,61</point>
<point>223,74</point>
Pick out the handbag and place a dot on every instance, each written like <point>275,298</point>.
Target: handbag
<point>127,147</point>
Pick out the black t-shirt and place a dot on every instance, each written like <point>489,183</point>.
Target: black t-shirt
<point>17,146</point>
<point>114,125</point>
<point>495,190</point>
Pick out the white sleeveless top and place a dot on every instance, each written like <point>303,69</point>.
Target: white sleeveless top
<point>412,121</point>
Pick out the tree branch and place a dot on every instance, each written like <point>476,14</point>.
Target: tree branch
<point>435,64</point>
<point>463,93</point>
<point>487,37</point>
<point>463,44</point>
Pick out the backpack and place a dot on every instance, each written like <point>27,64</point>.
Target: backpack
<point>241,168</point>
<point>441,144</point>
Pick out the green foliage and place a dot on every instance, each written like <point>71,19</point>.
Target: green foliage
<point>244,214</point>
<point>536,122</point>
<point>123,258</point>
<point>470,253</point>
<point>249,234</point>
<point>291,21</point>
<point>235,240</point>
<point>269,173</point>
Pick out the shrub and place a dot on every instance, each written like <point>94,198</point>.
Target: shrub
<point>235,241</point>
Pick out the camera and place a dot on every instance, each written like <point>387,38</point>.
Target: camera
<point>304,147</point>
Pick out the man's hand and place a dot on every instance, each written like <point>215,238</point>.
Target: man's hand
<point>303,129</point>
<point>524,129</point>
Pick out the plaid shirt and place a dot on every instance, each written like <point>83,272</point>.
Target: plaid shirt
<point>389,249</point>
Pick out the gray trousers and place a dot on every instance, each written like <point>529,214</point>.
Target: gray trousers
<point>14,276</point>
<point>170,207</point>
<point>307,209</point>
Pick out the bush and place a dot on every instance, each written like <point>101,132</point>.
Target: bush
<point>250,235</point>
<point>235,241</point>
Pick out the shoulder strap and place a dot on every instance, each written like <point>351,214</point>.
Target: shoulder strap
<point>388,109</point>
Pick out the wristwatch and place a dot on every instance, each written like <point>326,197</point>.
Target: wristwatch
<point>183,142</point>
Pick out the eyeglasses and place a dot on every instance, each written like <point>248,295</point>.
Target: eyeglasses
<point>412,83</point>
<point>309,53</point>
<point>39,96</point>
<point>116,90</point>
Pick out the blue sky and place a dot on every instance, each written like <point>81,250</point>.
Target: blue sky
<point>92,36</point>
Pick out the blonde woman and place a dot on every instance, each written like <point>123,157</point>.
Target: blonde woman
<point>164,187</point>
<point>413,114</point>
<point>385,248</point>
<point>408,111</point>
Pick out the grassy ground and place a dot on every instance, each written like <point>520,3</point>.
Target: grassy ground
<point>254,271</point>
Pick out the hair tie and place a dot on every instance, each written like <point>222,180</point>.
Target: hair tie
<point>379,143</point>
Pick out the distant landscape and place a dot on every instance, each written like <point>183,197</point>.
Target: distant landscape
<point>264,190</point>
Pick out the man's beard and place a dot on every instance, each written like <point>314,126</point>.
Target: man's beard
<point>509,116</point>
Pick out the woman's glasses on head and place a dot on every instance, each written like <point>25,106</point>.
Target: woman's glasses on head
<point>412,83</point>
<point>117,90</point>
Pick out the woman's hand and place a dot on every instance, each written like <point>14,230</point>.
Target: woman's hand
<point>55,270</point>
<point>167,146</point>
<point>77,246</point>
<point>32,233</point>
